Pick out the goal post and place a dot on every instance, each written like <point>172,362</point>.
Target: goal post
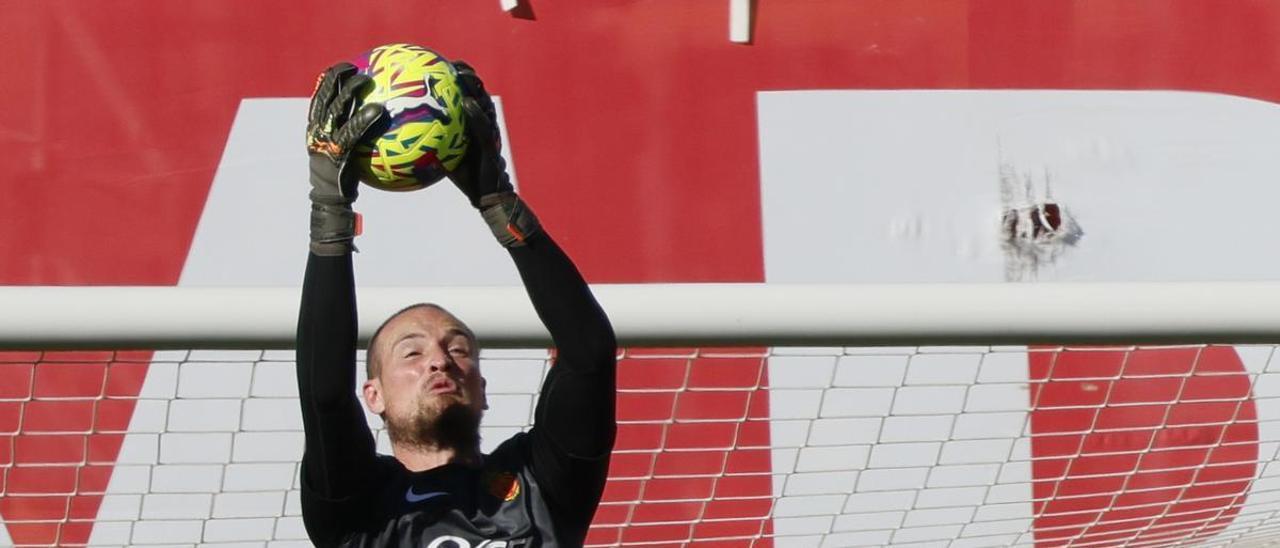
<point>676,314</point>
<point>749,415</point>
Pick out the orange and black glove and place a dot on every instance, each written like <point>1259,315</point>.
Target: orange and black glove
<point>336,123</point>
<point>482,174</point>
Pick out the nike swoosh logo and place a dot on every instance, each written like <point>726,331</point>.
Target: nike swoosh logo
<point>414,497</point>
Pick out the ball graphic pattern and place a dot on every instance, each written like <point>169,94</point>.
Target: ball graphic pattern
<point>427,135</point>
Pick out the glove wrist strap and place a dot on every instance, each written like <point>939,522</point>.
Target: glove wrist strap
<point>333,229</point>
<point>510,219</point>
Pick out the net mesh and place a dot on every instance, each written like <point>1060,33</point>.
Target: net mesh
<point>939,446</point>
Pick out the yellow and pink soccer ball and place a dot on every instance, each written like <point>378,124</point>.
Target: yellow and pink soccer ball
<point>427,135</point>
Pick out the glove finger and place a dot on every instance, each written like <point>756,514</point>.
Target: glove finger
<point>466,75</point>
<point>480,127</point>
<point>366,122</point>
<point>348,98</point>
<point>463,66</point>
<point>483,99</point>
<point>326,87</point>
<point>472,86</point>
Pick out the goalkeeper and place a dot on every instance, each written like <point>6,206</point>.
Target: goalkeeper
<point>538,488</point>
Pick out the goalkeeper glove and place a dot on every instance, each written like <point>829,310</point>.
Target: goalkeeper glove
<point>482,174</point>
<point>336,123</point>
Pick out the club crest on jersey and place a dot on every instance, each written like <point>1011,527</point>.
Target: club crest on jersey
<point>503,485</point>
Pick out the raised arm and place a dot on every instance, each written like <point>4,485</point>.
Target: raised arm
<point>575,426</point>
<point>339,445</point>
<point>340,453</point>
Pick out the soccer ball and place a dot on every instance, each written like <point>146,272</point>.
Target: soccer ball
<point>427,136</point>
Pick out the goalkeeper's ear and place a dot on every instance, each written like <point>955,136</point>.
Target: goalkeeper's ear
<point>372,392</point>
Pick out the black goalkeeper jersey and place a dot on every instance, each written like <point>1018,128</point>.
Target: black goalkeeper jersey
<point>537,489</point>
<point>497,505</point>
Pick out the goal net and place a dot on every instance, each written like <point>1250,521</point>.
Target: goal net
<point>764,444</point>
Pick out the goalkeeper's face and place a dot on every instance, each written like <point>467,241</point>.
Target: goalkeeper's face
<point>427,386</point>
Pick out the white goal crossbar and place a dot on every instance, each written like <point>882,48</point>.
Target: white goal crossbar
<point>1041,415</point>
<point>676,314</point>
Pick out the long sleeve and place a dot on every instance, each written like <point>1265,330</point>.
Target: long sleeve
<point>574,423</point>
<point>340,453</point>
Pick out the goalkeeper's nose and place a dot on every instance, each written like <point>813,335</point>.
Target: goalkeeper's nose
<point>440,361</point>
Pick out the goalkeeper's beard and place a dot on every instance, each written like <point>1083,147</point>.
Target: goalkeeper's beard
<point>442,423</point>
